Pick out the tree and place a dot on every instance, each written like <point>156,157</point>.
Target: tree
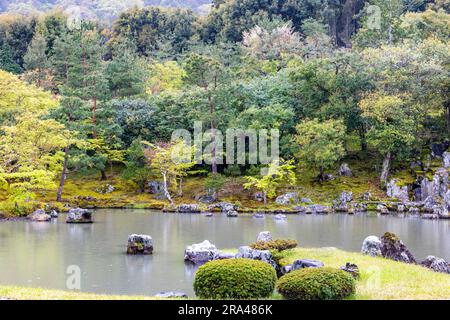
<point>392,122</point>
<point>165,77</point>
<point>278,172</point>
<point>173,160</point>
<point>36,62</point>
<point>206,73</point>
<point>321,143</point>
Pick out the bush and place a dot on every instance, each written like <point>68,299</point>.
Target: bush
<point>278,244</point>
<point>316,284</point>
<point>235,279</point>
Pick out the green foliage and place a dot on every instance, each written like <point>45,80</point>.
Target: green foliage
<point>235,279</point>
<point>277,244</point>
<point>316,284</point>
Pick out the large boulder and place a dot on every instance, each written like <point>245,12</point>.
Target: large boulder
<point>232,214</point>
<point>140,244</point>
<point>199,253</point>
<point>188,208</point>
<point>287,198</point>
<point>342,204</point>
<point>318,209</point>
<point>440,182</point>
<point>39,216</point>
<point>225,207</point>
<point>264,236</point>
<point>263,255</point>
<point>436,264</point>
<point>446,159</point>
<point>394,191</point>
<point>393,248</point>
<point>79,215</point>
<point>345,171</point>
<point>371,246</point>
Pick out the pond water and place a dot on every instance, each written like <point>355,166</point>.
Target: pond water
<point>38,254</point>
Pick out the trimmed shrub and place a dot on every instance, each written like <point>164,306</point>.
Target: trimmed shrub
<point>316,284</point>
<point>235,279</point>
<point>278,244</point>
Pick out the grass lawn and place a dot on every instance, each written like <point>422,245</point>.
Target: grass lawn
<point>380,279</point>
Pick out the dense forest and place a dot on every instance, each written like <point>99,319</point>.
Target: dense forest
<point>102,94</point>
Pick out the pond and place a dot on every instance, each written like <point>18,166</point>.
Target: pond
<point>38,254</point>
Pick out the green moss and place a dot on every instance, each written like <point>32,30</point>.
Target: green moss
<point>278,244</point>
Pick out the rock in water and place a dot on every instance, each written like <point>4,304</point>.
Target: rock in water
<point>39,216</point>
<point>79,215</point>
<point>188,208</point>
<point>263,255</point>
<point>287,198</point>
<point>264,236</point>
<point>371,246</point>
<point>436,264</point>
<point>393,248</point>
<point>352,269</point>
<point>140,244</point>
<point>199,253</point>
<point>345,171</point>
<point>232,214</point>
<point>54,214</point>
<point>171,294</point>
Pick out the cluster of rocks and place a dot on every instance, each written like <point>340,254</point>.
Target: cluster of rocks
<point>391,247</point>
<point>105,189</point>
<point>225,207</point>
<point>79,215</point>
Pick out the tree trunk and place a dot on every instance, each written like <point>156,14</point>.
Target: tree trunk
<point>63,175</point>
<point>94,112</point>
<point>321,174</point>
<point>104,177</point>
<point>111,169</point>
<point>213,133</point>
<point>166,189</point>
<point>447,117</point>
<point>385,169</point>
<point>180,187</point>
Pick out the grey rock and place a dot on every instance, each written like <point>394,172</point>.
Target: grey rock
<point>440,182</point>
<point>287,198</point>
<point>140,244</point>
<point>344,170</point>
<point>199,253</point>
<point>371,246</point>
<point>328,177</point>
<point>79,215</point>
<point>382,209</point>
<point>306,263</point>
<point>258,196</point>
<point>54,214</point>
<point>155,187</point>
<point>429,204</point>
<point>438,149</point>
<point>430,216</point>
<point>188,208</point>
<point>223,255</point>
<point>105,189</point>
<point>263,255</point>
<point>343,202</point>
<point>306,200</point>
<point>446,159</point>
<point>205,198</point>
<point>223,206</point>
<point>367,196</point>
<point>171,294</point>
<point>436,264</point>
<point>39,216</point>
<point>352,269</point>
<point>232,214</point>
<point>259,215</point>
<point>393,248</point>
<point>394,191</point>
<point>264,236</point>
<point>319,209</point>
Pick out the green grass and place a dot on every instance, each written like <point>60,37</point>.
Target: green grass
<point>381,279</point>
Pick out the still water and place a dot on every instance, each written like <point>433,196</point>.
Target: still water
<point>38,254</point>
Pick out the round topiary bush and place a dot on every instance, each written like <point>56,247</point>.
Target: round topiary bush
<point>235,279</point>
<point>316,284</point>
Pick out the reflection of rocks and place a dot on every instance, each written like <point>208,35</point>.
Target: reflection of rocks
<point>79,215</point>
<point>393,248</point>
<point>39,216</point>
<point>200,252</point>
<point>263,255</point>
<point>280,217</point>
<point>171,295</point>
<point>352,269</point>
<point>264,236</point>
<point>287,198</point>
<point>371,246</point>
<point>436,264</point>
<point>140,244</point>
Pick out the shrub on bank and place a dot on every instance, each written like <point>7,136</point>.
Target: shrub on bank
<point>278,244</point>
<point>316,284</point>
<point>235,279</point>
